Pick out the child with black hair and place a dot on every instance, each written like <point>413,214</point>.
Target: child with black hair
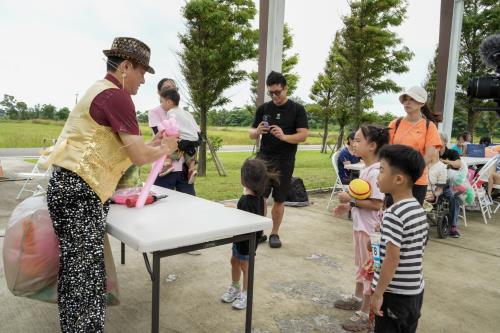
<point>189,134</point>
<point>255,179</point>
<point>346,156</point>
<point>398,288</point>
<point>368,140</point>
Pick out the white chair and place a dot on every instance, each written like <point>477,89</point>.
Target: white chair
<point>496,187</point>
<point>34,179</point>
<point>480,193</point>
<point>338,186</point>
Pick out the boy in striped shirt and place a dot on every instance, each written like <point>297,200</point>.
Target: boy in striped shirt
<point>398,288</point>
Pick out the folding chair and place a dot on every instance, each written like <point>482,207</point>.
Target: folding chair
<point>480,193</point>
<point>496,187</point>
<point>338,186</point>
<point>34,179</point>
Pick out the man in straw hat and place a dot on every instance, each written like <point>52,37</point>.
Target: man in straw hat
<point>99,141</point>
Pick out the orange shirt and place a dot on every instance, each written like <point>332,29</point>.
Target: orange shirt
<point>416,136</point>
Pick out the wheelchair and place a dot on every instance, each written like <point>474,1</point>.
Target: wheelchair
<point>439,215</point>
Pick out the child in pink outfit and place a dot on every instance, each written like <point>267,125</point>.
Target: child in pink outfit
<point>365,216</point>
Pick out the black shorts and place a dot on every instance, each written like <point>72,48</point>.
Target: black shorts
<point>285,170</point>
<point>401,313</point>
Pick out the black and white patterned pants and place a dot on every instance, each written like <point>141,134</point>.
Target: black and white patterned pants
<point>79,219</point>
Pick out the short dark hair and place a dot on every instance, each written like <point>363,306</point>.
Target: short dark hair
<point>162,81</point>
<point>255,176</point>
<point>350,137</point>
<point>485,140</point>
<point>171,94</point>
<point>377,134</point>
<point>463,136</point>
<point>275,78</point>
<point>405,159</point>
<point>113,62</point>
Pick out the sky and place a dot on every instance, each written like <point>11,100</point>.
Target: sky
<point>52,50</point>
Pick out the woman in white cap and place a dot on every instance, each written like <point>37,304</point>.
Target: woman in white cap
<point>416,130</point>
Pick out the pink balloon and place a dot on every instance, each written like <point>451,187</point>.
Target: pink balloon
<point>167,127</point>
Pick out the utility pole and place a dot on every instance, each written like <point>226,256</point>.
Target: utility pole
<point>76,98</point>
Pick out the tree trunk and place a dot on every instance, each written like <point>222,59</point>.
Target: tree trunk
<point>357,106</point>
<point>325,136</point>
<point>202,158</point>
<point>341,137</point>
<point>471,118</point>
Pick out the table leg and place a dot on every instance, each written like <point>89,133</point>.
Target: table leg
<point>123,253</point>
<point>155,313</point>
<point>251,263</point>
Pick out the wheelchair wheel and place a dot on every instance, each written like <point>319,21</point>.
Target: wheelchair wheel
<point>443,226</point>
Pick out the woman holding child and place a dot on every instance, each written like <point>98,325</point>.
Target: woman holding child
<point>418,131</point>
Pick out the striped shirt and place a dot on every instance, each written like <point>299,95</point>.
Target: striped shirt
<point>405,225</point>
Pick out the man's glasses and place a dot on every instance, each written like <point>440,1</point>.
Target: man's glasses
<point>276,93</point>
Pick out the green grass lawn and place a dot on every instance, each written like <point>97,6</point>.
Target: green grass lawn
<point>314,168</point>
<point>31,133</point>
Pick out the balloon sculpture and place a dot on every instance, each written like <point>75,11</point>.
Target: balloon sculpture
<point>459,184</point>
<point>167,127</point>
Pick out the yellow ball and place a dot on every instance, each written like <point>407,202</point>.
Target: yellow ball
<point>359,189</point>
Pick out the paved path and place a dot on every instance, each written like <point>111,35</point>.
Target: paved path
<point>34,152</point>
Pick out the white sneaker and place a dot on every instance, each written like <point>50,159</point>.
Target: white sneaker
<point>240,303</point>
<point>230,295</point>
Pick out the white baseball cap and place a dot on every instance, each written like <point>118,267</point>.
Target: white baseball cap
<point>417,93</point>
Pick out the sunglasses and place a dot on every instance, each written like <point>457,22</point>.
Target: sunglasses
<point>276,93</point>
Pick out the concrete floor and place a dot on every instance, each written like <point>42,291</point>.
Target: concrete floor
<point>295,286</point>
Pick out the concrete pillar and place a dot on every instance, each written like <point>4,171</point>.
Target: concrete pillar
<point>271,23</point>
<point>452,67</point>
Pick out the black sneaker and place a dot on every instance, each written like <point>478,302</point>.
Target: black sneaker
<point>274,241</point>
<point>262,238</point>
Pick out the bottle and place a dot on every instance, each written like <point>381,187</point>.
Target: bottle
<point>375,240</point>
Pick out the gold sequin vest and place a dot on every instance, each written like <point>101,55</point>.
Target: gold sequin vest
<point>92,151</point>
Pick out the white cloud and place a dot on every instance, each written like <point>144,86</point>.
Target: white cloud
<point>54,49</point>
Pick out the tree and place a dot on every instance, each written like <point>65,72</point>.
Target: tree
<point>324,88</point>
<point>62,113</point>
<point>142,117</point>
<point>22,110</point>
<point>218,38</point>
<point>430,82</point>
<point>332,91</point>
<point>481,19</point>
<point>371,50</point>
<point>8,105</point>
<point>48,111</point>
<point>287,66</point>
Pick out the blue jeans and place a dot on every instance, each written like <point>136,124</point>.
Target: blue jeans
<point>177,181</point>
<point>455,203</point>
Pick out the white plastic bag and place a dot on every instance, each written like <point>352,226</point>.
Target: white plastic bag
<point>31,254</point>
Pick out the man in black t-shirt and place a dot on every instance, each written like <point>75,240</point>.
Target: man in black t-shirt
<point>282,124</point>
<point>451,158</point>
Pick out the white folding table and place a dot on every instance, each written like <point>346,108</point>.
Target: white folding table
<point>355,166</point>
<point>475,160</point>
<point>181,223</point>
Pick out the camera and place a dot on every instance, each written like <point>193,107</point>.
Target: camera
<point>487,87</point>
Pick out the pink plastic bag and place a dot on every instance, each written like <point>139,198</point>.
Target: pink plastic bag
<point>31,254</point>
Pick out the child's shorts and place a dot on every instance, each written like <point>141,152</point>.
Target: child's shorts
<point>238,255</point>
<point>361,256</point>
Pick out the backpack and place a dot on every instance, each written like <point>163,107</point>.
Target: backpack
<point>427,122</point>
<point>297,196</point>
